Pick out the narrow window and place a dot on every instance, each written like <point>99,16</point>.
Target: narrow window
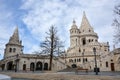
<point>106,64</point>
<point>79,60</point>
<point>14,49</point>
<point>75,60</point>
<point>89,40</point>
<point>86,60</point>
<point>83,41</point>
<point>79,50</point>
<point>10,50</point>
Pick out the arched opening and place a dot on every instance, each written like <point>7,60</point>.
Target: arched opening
<point>32,66</point>
<point>46,66</point>
<point>24,66</point>
<point>10,50</point>
<point>39,66</point>
<point>83,41</point>
<point>74,66</point>
<point>10,65</point>
<point>14,49</point>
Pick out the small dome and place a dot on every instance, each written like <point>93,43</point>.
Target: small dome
<point>74,25</point>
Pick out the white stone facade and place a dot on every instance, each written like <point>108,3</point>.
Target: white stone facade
<point>79,54</point>
<point>82,42</point>
<point>16,60</point>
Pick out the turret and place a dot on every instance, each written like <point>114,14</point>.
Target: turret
<point>87,33</point>
<point>14,46</point>
<point>74,35</point>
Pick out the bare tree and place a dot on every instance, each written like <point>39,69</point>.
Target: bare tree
<point>116,24</point>
<point>51,45</point>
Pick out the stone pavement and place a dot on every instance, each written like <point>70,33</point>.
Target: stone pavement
<point>65,75</point>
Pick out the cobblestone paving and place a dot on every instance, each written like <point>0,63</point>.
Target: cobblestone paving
<point>61,76</point>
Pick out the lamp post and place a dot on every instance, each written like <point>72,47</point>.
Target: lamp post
<point>16,62</point>
<point>96,70</point>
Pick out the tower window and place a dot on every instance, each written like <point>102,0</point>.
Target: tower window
<point>14,49</point>
<point>96,40</point>
<point>10,50</point>
<point>89,40</point>
<point>83,41</point>
<point>79,50</point>
<point>79,60</point>
<point>89,30</point>
<point>86,60</point>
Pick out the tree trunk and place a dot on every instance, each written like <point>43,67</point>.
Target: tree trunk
<point>51,52</point>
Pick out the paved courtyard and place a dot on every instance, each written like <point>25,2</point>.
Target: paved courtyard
<point>64,75</point>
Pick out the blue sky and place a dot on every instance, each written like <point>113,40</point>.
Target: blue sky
<point>34,17</point>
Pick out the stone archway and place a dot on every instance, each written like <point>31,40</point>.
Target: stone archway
<point>46,66</point>
<point>74,66</point>
<point>39,66</point>
<point>10,65</point>
<point>32,66</point>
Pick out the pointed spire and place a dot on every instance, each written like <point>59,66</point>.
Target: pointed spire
<point>74,24</point>
<point>14,39</point>
<point>85,22</point>
<point>85,26</point>
<point>15,34</point>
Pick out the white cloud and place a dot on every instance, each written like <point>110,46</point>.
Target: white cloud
<point>41,14</point>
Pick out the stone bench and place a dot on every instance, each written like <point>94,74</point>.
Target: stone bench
<point>81,69</point>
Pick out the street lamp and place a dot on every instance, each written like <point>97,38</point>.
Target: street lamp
<point>96,70</point>
<point>16,62</point>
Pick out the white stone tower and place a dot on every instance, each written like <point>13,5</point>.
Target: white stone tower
<point>14,46</point>
<point>74,35</point>
<point>87,33</point>
<point>82,41</point>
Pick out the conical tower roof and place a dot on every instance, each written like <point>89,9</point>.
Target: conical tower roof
<point>85,25</point>
<point>14,39</point>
